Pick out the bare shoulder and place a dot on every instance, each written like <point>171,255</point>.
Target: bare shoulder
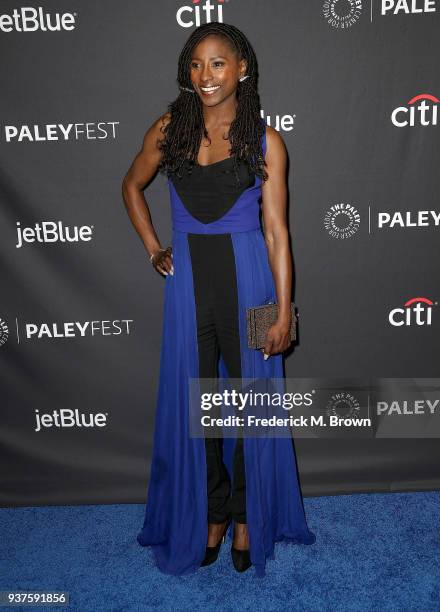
<point>156,129</point>
<point>275,147</point>
<point>274,140</point>
<point>154,136</point>
<point>163,120</point>
<point>146,162</point>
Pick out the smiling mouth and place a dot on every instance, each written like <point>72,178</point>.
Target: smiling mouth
<point>209,90</point>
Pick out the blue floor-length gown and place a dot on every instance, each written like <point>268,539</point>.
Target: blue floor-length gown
<point>175,523</point>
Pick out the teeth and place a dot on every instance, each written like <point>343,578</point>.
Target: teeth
<point>209,88</point>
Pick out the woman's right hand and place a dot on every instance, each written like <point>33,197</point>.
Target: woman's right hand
<point>162,261</point>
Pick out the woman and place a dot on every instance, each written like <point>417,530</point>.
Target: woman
<point>220,160</point>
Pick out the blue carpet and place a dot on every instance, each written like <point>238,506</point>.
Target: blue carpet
<point>372,552</point>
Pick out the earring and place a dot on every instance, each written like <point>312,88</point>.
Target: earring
<point>187,89</point>
<point>244,77</point>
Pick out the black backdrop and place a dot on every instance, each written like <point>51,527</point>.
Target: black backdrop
<point>80,321</point>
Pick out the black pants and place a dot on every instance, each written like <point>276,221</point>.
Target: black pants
<point>216,297</point>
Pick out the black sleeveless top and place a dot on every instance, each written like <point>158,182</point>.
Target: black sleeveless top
<point>208,192</point>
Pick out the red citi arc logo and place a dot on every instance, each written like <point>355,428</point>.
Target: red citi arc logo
<point>200,11</point>
<point>421,110</point>
<point>415,311</point>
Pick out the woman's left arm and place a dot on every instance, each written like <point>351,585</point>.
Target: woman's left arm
<point>276,236</point>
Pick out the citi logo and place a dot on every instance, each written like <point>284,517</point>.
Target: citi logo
<point>69,418</point>
<point>201,11</point>
<point>30,19</point>
<point>4,332</point>
<point>407,6</point>
<point>53,231</point>
<point>420,110</point>
<point>416,311</point>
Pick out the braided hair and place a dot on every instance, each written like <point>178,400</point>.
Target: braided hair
<point>184,132</point>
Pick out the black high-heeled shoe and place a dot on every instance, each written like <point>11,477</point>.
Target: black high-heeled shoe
<point>212,552</point>
<point>241,559</point>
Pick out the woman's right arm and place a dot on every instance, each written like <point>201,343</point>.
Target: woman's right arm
<point>139,175</point>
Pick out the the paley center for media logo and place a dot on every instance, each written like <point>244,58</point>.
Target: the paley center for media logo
<point>342,220</point>
<point>342,15</point>
<point>4,332</point>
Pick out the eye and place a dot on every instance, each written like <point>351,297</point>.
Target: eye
<point>218,63</point>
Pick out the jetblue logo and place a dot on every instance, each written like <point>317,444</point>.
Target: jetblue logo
<point>69,418</point>
<point>53,231</point>
<point>30,19</point>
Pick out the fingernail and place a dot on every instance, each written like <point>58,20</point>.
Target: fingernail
<point>166,273</point>
<point>266,356</point>
<point>172,272</point>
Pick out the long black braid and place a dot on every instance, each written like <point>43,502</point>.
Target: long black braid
<point>184,131</point>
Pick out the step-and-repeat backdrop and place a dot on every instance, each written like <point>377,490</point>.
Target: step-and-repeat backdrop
<point>354,88</point>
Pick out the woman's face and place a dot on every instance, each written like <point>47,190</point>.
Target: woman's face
<point>215,70</point>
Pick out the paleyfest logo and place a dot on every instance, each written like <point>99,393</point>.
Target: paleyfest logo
<point>409,218</point>
<point>200,11</point>
<point>342,221</point>
<point>77,329</point>
<point>60,132</point>
<point>422,110</point>
<point>342,14</point>
<point>408,6</point>
<point>66,329</point>
<point>416,311</point>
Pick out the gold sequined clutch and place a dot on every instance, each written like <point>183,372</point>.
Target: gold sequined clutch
<point>260,318</point>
